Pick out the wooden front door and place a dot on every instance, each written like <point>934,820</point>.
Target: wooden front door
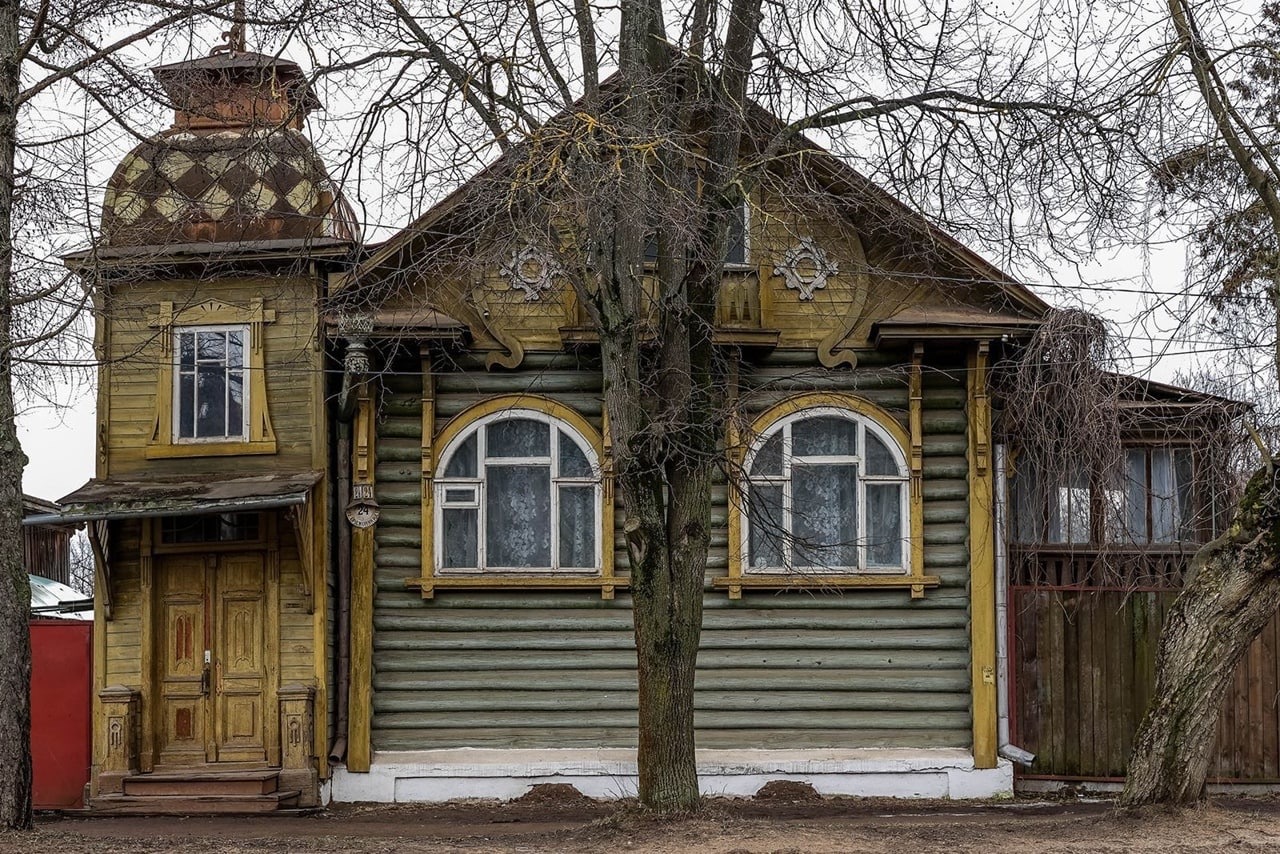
<point>213,654</point>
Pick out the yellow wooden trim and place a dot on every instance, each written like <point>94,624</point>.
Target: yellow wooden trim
<point>320,625</point>
<point>838,400</point>
<point>271,609</point>
<point>209,449</point>
<point>429,581</point>
<point>261,437</point>
<point>737,580</point>
<point>982,606</point>
<point>149,675</point>
<point>606,506</point>
<point>736,584</point>
<point>915,424</point>
<point>427,521</point>
<point>606,586</point>
<point>360,690</point>
<point>534,402</point>
<point>737,452</point>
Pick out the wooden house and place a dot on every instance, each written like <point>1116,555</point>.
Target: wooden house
<point>371,553</point>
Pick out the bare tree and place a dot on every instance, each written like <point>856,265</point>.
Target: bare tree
<point>631,134</point>
<point>1234,589</point>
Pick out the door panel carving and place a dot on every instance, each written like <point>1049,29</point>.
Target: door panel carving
<point>214,711</point>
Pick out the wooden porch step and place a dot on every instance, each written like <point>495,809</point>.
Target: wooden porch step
<point>197,783</point>
<point>181,805</point>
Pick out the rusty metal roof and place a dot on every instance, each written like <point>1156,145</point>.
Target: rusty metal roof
<point>119,499</point>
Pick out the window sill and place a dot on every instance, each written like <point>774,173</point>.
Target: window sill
<point>607,585</point>
<point>915,583</point>
<point>209,449</point>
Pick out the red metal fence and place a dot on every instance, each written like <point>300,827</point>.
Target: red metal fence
<point>61,705</point>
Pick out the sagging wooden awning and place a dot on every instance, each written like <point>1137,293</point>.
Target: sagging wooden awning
<point>100,501</point>
<point>139,499</point>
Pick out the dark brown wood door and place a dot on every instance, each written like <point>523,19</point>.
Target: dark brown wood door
<point>213,657</point>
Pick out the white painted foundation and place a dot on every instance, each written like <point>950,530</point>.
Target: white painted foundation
<point>446,775</point>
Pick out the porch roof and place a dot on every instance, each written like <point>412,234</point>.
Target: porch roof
<point>122,499</point>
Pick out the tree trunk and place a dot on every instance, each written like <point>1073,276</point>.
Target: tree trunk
<point>1233,593</point>
<point>15,588</point>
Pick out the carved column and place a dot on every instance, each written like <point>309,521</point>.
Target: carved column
<point>120,734</point>
<point>297,755</point>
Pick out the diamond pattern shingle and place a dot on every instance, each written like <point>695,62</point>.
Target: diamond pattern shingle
<point>255,184</point>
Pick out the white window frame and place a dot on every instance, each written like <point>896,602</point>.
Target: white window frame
<point>479,484</point>
<point>785,481</point>
<point>176,415</point>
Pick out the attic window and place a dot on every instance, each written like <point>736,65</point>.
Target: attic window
<point>737,247</point>
<point>210,383</point>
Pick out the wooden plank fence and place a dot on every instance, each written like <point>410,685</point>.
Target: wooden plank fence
<point>1083,667</point>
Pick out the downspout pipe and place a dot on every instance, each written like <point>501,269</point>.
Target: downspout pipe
<point>354,329</point>
<point>1008,750</point>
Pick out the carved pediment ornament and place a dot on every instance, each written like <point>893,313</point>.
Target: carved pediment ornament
<point>806,268</point>
<point>530,270</point>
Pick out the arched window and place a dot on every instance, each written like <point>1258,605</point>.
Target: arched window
<point>518,492</point>
<point>826,492</point>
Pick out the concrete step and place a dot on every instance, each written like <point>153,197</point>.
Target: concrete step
<point>203,783</point>
<point>175,805</point>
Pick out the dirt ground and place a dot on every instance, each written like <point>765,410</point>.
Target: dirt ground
<point>781,825</point>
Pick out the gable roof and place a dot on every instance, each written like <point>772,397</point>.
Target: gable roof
<point>836,173</point>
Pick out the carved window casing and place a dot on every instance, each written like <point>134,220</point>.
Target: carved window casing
<point>517,492</point>
<point>212,367</point>
<point>828,495</point>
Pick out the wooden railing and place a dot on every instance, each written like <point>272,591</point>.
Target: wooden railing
<point>1057,566</point>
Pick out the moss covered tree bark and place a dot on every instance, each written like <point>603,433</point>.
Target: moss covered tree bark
<point>1233,589</point>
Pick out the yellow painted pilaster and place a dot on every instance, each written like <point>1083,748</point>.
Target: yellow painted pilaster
<point>360,699</point>
<point>982,593</point>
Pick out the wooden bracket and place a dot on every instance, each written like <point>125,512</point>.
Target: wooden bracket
<point>303,529</point>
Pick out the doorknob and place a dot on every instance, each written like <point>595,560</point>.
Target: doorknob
<point>204,674</point>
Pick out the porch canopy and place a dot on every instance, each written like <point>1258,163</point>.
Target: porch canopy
<point>133,499</point>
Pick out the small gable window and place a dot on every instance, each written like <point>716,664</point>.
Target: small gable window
<point>519,493</point>
<point>826,492</point>
<point>209,383</point>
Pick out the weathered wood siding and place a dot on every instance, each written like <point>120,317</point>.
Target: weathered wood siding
<point>1084,669</point>
<point>541,669</point>
<point>293,366</point>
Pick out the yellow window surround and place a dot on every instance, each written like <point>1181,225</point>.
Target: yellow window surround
<point>261,439</point>
<point>910,442</point>
<point>433,447</point>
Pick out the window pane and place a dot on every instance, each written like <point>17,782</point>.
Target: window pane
<point>768,460</point>
<point>764,515</point>
<point>578,527</point>
<point>518,516</point>
<point>463,461</point>
<point>518,437</point>
<point>211,411</point>
<point>235,349</point>
<point>460,496</point>
<point>884,524</point>
<point>573,463</point>
<point>1187,517</point>
<point>879,460</point>
<point>211,346</point>
<point>824,435</point>
<point>1069,511</point>
<point>460,539</point>
<point>736,248</point>
<point>235,403</point>
<point>1028,508</point>
<point>824,513</point>
<point>186,350</point>
<point>186,406</point>
<point>1164,497</point>
<point>1135,495</point>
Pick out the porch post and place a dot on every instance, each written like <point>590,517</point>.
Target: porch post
<point>297,726</point>
<point>120,737</point>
